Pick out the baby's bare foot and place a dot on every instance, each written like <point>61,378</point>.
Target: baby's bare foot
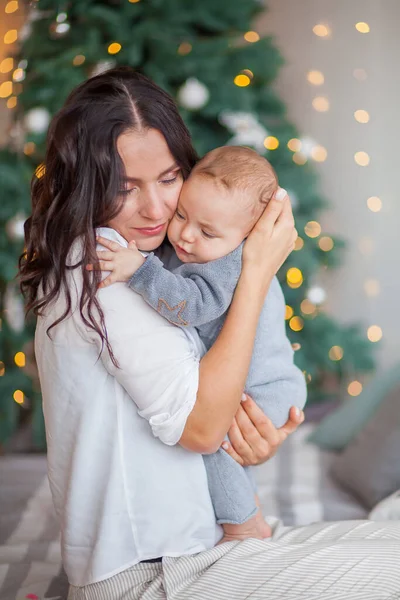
<point>255,528</point>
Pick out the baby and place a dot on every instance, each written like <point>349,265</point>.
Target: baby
<point>219,204</point>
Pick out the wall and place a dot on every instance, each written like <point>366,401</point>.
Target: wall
<point>367,287</point>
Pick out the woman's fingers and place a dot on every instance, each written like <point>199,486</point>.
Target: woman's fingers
<point>296,417</point>
<point>267,431</point>
<point>102,265</point>
<point>229,450</point>
<point>239,444</point>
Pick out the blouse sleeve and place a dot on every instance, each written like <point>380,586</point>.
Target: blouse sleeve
<point>158,364</point>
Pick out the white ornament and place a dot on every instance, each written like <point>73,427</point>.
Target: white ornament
<point>15,227</point>
<point>37,120</point>
<point>14,309</point>
<point>247,130</point>
<point>102,66</point>
<point>316,295</point>
<point>193,94</point>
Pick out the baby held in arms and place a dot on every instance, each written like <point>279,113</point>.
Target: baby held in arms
<point>219,204</point>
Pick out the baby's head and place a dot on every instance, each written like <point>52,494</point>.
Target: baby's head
<point>220,202</point>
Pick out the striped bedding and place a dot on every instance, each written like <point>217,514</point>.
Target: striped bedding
<point>294,486</point>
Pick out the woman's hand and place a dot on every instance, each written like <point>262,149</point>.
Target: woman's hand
<point>122,262</point>
<point>271,240</point>
<point>253,438</point>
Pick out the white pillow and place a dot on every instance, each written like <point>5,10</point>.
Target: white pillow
<point>387,509</point>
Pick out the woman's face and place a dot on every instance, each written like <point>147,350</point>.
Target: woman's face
<point>151,190</point>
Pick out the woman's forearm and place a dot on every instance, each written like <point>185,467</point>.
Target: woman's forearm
<point>224,369</point>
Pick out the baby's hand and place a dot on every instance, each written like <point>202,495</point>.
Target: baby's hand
<point>122,262</point>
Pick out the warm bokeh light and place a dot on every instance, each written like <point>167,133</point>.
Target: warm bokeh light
<point>185,48</point>
<point>321,30</point>
<point>12,102</point>
<point>11,7</point>
<point>362,116</point>
<point>326,243</point>
<point>19,75</point>
<point>2,368</point>
<point>299,159</point>
<point>271,142</point>
<point>241,80</point>
<point>11,36</point>
<point>307,307</point>
<point>294,145</point>
<point>355,388</point>
<point>251,36</point>
<point>29,148</point>
<point>296,323</point>
<point>321,104</point>
<point>114,48</point>
<point>6,65</point>
<point>294,275</point>
<point>319,153</point>
<point>312,229</point>
<point>362,158</point>
<point>134,1</point>
<point>362,27</point>
<point>19,359</point>
<point>315,77</point>
<point>299,243</point>
<point>79,59</point>
<point>360,74</point>
<point>372,287</point>
<point>336,353</point>
<point>374,204</point>
<point>374,333</point>
<point>248,73</point>
<point>6,89</point>
<point>288,312</point>
<point>18,396</point>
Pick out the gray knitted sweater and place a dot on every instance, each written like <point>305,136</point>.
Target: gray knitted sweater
<point>198,295</point>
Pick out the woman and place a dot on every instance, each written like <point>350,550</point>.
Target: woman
<point>116,376</point>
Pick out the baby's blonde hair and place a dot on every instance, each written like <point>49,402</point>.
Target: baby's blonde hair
<point>238,168</point>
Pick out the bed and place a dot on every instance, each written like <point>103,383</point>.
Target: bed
<point>294,486</point>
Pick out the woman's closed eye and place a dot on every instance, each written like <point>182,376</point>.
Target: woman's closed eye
<point>127,191</point>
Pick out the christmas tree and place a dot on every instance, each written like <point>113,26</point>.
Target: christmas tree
<point>221,72</point>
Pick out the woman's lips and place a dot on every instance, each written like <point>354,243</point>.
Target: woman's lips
<point>151,230</point>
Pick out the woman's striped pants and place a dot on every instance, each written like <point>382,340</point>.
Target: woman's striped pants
<point>348,560</point>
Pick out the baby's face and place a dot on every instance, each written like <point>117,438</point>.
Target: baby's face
<point>208,223</point>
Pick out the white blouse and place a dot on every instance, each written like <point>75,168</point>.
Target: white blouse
<point>122,489</point>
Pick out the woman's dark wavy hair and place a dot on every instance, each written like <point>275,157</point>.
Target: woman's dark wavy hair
<point>82,177</point>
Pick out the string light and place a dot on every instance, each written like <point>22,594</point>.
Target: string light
<point>362,27</point>
<point>18,396</point>
<point>294,145</point>
<point>271,142</point>
<point>11,7</point>
<point>315,77</point>
<point>114,48</point>
<point>296,323</point>
<point>6,89</point>
<point>241,80</point>
<point>362,116</point>
<point>185,48</point>
<point>372,287</point>
<point>19,359</point>
<point>319,153</point>
<point>299,159</point>
<point>248,73</point>
<point>312,229</point>
<point>326,243</point>
<point>321,30</point>
<point>294,277</point>
<point>29,148</point>
<point>11,36</point>
<point>362,158</point>
<point>6,65</point>
<point>19,75</point>
<point>374,333</point>
<point>134,1</point>
<point>374,203</point>
<point>336,353</point>
<point>299,243</point>
<point>78,60</point>
<point>288,312</point>
<point>355,388</point>
<point>12,102</point>
<point>2,368</point>
<point>321,104</point>
<point>251,36</point>
<point>307,307</point>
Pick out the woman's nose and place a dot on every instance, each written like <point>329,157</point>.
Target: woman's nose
<point>153,207</point>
